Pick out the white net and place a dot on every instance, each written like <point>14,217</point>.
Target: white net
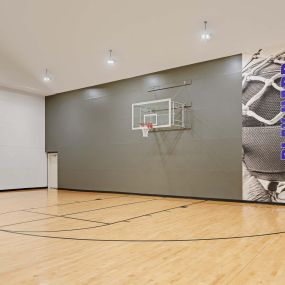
<point>264,171</point>
<point>253,73</point>
<point>146,128</point>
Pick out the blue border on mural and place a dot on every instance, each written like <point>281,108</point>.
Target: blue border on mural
<point>282,107</point>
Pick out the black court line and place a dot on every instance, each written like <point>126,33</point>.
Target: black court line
<point>113,223</point>
<point>61,204</point>
<point>53,205</point>
<point>63,216</point>
<point>146,240</point>
<point>220,202</point>
<point>59,216</point>
<point>108,207</point>
<point>92,210</point>
<point>24,222</point>
<point>25,233</point>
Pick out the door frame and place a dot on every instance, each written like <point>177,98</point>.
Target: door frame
<point>51,153</point>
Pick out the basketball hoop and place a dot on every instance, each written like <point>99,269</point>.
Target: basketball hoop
<point>146,128</point>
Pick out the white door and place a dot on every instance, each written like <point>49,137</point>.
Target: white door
<point>52,170</point>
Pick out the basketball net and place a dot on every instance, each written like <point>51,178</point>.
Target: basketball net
<point>146,128</point>
<point>249,74</point>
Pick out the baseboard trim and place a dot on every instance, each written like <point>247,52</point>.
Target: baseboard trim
<point>21,189</point>
<point>177,196</point>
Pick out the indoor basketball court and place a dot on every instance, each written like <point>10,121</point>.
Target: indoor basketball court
<point>142,143</point>
<point>138,239</point>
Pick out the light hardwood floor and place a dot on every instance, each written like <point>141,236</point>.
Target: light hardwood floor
<point>50,237</point>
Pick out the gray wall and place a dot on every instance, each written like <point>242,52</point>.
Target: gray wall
<point>91,130</point>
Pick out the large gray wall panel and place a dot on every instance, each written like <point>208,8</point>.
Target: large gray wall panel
<point>91,130</point>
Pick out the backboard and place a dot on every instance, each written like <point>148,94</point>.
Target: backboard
<point>163,114</point>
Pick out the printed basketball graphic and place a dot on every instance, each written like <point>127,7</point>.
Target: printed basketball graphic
<point>263,168</point>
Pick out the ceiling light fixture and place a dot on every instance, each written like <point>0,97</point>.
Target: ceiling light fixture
<point>110,59</point>
<point>205,36</point>
<point>46,77</point>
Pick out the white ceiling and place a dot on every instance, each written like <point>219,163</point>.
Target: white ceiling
<point>72,37</point>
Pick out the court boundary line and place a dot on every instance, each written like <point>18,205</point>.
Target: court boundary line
<point>146,240</point>
<point>255,203</point>
<point>67,215</point>
<point>113,223</point>
<point>104,223</point>
<point>30,221</point>
<point>61,204</point>
<point>114,206</point>
<point>178,197</point>
<point>63,216</point>
<point>58,216</point>
<point>30,233</point>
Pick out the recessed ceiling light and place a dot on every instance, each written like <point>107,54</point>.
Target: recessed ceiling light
<point>110,59</point>
<point>205,36</point>
<point>46,76</point>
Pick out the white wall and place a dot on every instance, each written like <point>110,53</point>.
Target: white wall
<point>22,140</point>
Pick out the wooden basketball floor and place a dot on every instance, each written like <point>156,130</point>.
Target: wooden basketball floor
<point>64,237</point>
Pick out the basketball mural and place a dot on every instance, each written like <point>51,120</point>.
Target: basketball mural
<point>263,135</point>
